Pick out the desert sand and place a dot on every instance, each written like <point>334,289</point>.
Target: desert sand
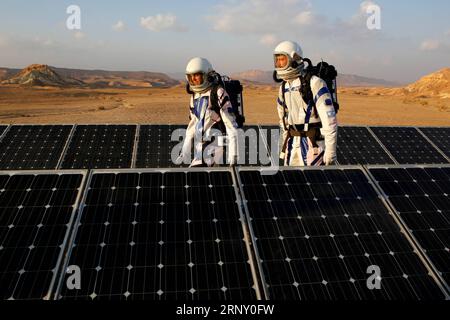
<point>359,106</point>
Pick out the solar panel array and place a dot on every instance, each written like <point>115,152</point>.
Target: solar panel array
<point>223,233</point>
<point>155,235</point>
<point>356,145</point>
<point>318,231</point>
<point>30,147</point>
<point>114,146</point>
<point>36,211</point>
<point>100,146</point>
<point>421,197</point>
<point>408,146</point>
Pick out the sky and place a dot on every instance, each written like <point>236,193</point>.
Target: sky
<point>413,38</point>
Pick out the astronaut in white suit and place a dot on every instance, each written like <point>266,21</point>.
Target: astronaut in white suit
<point>308,128</point>
<point>209,123</point>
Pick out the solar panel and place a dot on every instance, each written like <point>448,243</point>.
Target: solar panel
<point>269,134</point>
<point>440,137</point>
<point>318,231</point>
<point>100,146</point>
<point>33,146</point>
<point>36,211</point>
<point>421,197</point>
<point>356,145</point>
<point>155,146</point>
<point>162,236</point>
<point>407,145</point>
<point>256,150</point>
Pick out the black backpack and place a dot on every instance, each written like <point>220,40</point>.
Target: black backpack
<point>234,90</point>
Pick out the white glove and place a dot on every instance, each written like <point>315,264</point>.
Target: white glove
<point>329,159</point>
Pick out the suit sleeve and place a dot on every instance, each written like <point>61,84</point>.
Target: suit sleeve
<point>327,114</point>
<point>231,125</point>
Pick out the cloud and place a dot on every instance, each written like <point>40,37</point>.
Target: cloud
<point>268,39</point>
<point>305,18</point>
<point>119,26</point>
<point>430,45</point>
<point>162,22</point>
<point>448,33</point>
<point>288,19</point>
<point>257,16</point>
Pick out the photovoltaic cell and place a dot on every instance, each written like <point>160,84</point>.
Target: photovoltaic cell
<point>421,197</point>
<point>33,146</point>
<point>161,236</point>
<point>100,146</point>
<point>318,231</point>
<point>440,137</point>
<point>356,145</point>
<point>36,211</point>
<point>408,146</point>
<point>155,145</point>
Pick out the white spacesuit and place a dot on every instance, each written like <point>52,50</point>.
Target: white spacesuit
<point>208,123</point>
<point>309,133</point>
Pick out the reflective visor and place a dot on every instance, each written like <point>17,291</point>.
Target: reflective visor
<point>195,79</point>
<point>281,61</point>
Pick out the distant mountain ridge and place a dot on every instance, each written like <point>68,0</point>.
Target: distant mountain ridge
<point>43,75</point>
<point>344,80</point>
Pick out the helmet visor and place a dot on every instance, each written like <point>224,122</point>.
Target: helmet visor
<point>196,79</point>
<point>281,61</point>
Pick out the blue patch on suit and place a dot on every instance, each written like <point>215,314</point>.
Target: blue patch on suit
<point>331,114</point>
<point>328,102</point>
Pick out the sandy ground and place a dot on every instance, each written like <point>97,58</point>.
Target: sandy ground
<point>170,106</point>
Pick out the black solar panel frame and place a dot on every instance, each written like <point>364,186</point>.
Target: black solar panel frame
<point>372,134</point>
<point>248,241</point>
<point>364,170</point>
<point>416,244</point>
<point>140,158</point>
<point>436,144</point>
<point>420,134</point>
<point>63,150</point>
<point>61,164</point>
<point>84,174</point>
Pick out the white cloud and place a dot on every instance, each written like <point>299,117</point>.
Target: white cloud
<point>305,18</point>
<point>268,39</point>
<point>295,19</point>
<point>430,45</point>
<point>162,22</point>
<point>119,26</point>
<point>257,16</point>
<point>79,35</point>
